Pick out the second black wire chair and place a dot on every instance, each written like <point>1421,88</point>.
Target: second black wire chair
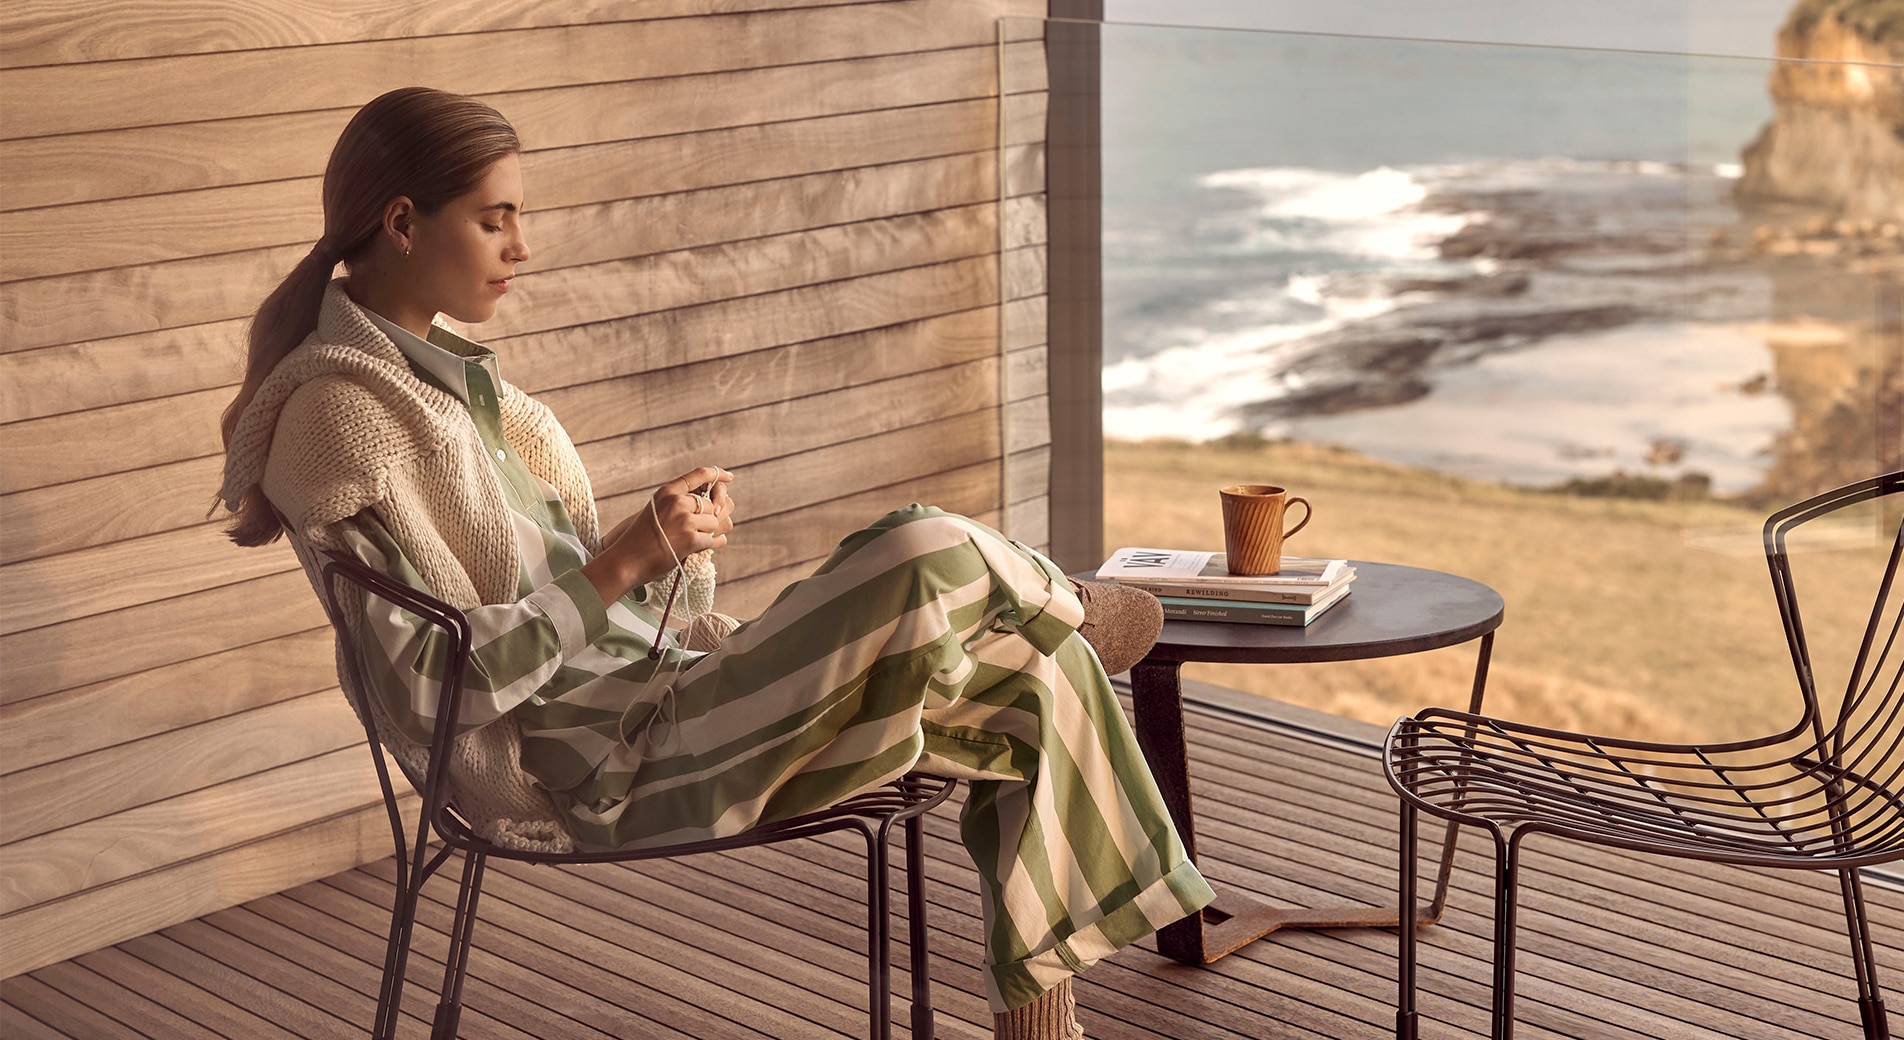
<point>1827,794</point>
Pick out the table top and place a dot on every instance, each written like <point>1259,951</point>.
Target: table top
<point>1390,609</point>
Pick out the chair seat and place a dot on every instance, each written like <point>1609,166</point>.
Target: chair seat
<point>900,799</point>
<point>1714,805</point>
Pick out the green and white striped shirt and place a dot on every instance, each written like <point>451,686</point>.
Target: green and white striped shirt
<point>572,673</point>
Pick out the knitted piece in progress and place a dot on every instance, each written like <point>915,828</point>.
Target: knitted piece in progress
<point>693,596</point>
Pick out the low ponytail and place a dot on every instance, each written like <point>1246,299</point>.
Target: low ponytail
<point>427,145</point>
<point>283,320</point>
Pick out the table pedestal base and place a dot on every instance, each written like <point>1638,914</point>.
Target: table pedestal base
<point>1235,920</point>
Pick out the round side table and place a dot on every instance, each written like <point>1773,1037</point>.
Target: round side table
<point>1390,610</point>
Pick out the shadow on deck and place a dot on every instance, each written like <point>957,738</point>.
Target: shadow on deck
<point>767,942</point>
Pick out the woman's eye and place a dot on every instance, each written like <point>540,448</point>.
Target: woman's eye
<point>492,228</point>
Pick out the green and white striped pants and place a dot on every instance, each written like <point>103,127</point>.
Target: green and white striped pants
<point>927,641</point>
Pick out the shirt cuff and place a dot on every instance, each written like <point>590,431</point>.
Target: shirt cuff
<point>572,605</point>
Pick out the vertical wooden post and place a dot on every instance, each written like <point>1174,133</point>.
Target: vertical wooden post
<point>1074,204</point>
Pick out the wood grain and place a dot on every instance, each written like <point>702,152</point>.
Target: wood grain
<point>705,158</point>
<point>648,457</point>
<point>1025,323</point>
<point>589,234</point>
<point>67,447</point>
<point>593,411</point>
<point>647,342</point>
<point>120,370</point>
<point>37,522</point>
<point>79,307</point>
<point>1030,521</point>
<point>571,158</point>
<point>60,449</point>
<point>59,240</point>
<point>131,707</point>
<point>164,497</point>
<point>50,932</point>
<point>1028,423</point>
<point>54,589</point>
<point>120,301</point>
<point>70,791</point>
<point>1025,372</point>
<point>101,851</point>
<point>1024,221</point>
<point>616,289</point>
<point>61,99</point>
<point>51,32</point>
<point>143,366</point>
<point>58,657</point>
<point>1029,474</point>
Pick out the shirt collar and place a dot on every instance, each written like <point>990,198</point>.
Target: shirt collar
<point>443,355</point>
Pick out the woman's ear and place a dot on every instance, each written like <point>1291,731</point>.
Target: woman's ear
<point>399,216</point>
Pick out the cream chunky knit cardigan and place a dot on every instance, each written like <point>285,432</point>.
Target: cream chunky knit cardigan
<point>342,425</point>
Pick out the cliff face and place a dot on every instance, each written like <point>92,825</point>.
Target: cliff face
<point>1837,140</point>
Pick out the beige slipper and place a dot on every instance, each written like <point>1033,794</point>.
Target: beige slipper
<point>1120,623</point>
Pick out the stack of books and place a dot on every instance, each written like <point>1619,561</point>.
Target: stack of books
<point>1198,586</point>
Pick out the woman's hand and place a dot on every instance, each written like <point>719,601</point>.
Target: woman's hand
<point>676,523</point>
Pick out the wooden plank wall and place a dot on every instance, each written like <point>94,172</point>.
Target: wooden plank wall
<point>767,234</point>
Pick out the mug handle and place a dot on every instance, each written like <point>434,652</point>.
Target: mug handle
<point>1307,512</point>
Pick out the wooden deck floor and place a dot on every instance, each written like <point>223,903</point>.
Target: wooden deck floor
<point>766,942</point>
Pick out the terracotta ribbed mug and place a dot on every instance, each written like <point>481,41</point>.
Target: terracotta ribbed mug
<point>1253,534</point>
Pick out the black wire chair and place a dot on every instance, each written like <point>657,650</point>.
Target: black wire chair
<point>872,815</point>
<point>1827,794</point>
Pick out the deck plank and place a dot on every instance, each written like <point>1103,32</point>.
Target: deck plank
<point>769,941</point>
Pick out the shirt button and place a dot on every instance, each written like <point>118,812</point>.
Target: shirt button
<point>499,455</point>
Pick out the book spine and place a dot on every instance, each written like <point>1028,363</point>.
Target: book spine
<point>1300,597</point>
<point>1244,615</point>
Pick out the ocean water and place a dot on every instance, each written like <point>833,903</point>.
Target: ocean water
<point>1492,260</point>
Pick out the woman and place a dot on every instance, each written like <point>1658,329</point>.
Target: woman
<point>926,641</point>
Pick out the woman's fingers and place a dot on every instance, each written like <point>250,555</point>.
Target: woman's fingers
<point>703,492</point>
<point>704,476</point>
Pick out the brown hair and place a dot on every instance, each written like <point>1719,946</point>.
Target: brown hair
<point>426,144</point>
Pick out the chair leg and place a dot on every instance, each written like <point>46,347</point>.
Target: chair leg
<point>1506,913</point>
<point>1407,1021</point>
<point>1863,958</point>
<point>449,1009</point>
<point>878,932</point>
<point>396,957</point>
<point>922,1022</point>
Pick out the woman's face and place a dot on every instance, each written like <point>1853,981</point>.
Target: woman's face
<point>463,256</point>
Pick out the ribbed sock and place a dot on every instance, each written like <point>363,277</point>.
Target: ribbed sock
<point>1053,1016</point>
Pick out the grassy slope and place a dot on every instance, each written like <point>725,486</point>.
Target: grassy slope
<point>1645,618</point>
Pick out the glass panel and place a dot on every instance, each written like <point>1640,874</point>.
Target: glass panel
<point>1568,322</point>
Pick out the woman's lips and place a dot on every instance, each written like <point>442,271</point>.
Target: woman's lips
<point>501,285</point>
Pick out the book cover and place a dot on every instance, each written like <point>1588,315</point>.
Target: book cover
<point>1248,613</point>
<point>1302,594</point>
<point>1212,568</point>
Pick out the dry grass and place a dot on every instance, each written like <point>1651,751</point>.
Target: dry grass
<point>1651,619</point>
